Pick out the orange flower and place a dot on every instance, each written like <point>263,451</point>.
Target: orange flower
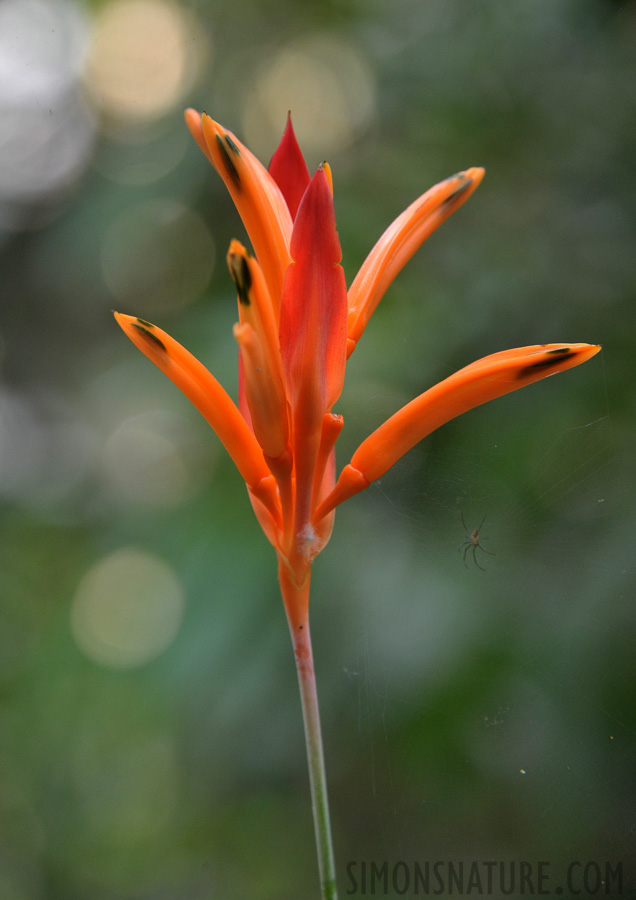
<point>297,326</point>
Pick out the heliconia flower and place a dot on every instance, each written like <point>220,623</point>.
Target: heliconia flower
<point>297,325</point>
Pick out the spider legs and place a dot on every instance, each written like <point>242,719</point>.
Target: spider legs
<point>473,542</point>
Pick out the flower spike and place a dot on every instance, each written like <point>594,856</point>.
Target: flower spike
<point>297,325</point>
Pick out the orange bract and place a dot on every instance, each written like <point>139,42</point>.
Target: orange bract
<point>400,241</point>
<point>297,325</point>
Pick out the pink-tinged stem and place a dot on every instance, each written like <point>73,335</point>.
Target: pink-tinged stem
<point>296,599</point>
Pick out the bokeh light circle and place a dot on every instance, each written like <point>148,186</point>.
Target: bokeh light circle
<point>127,609</point>
<point>143,58</point>
<point>326,83</point>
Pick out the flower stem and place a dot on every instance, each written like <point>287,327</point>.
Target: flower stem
<point>301,640</point>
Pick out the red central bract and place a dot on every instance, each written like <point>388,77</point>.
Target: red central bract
<point>313,334</point>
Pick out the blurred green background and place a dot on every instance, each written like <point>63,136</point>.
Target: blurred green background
<point>150,735</point>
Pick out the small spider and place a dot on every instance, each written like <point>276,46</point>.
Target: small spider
<point>473,542</point>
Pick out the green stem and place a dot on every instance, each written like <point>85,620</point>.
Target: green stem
<point>296,598</point>
<point>315,759</point>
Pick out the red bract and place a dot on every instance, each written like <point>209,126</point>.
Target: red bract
<point>297,326</point>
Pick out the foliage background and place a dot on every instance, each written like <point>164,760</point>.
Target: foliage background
<point>150,740</point>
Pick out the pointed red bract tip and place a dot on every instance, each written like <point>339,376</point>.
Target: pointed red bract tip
<point>289,169</point>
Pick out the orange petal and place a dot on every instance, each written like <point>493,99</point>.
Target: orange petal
<point>324,476</point>
<point>212,401</point>
<point>264,392</point>
<point>258,200</point>
<point>400,241</point>
<point>254,303</point>
<point>487,378</point>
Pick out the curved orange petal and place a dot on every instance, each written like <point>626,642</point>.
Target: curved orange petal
<point>254,302</point>
<point>264,392</point>
<point>487,378</point>
<point>212,401</point>
<point>400,241</point>
<point>256,196</point>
